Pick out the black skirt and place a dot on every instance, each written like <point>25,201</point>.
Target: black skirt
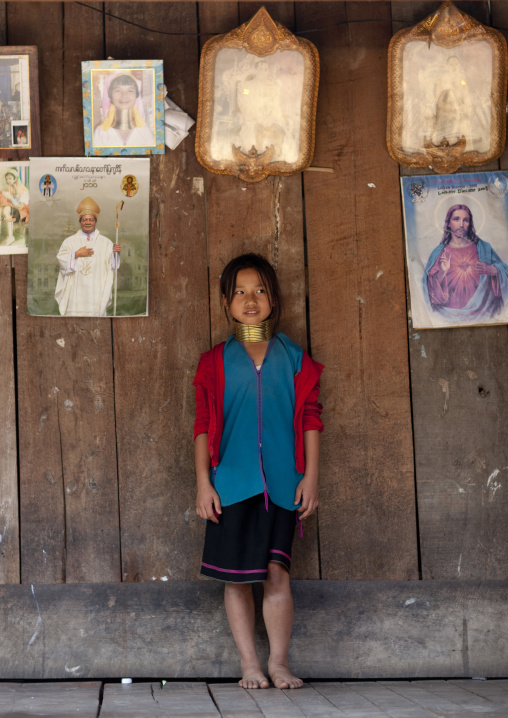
<point>247,537</point>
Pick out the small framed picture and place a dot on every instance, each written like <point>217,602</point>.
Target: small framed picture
<point>257,101</point>
<point>123,107</point>
<point>447,92</point>
<point>14,206</point>
<point>20,135</point>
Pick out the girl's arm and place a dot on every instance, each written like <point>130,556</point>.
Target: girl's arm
<point>307,489</point>
<point>207,499</point>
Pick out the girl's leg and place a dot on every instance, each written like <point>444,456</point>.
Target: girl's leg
<point>278,615</point>
<point>239,603</point>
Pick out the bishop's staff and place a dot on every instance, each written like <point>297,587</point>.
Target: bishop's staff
<point>119,208</point>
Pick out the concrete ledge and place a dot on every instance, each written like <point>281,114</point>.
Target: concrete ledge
<point>343,630</point>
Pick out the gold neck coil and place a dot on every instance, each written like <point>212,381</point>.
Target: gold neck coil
<point>254,332</point>
<point>123,120</point>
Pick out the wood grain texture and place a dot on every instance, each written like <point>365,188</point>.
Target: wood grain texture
<point>156,356</point>
<point>264,217</point>
<point>357,303</point>
<point>9,520</point>
<point>343,630</point>
<point>58,700</point>
<point>68,482</point>
<point>459,383</point>
<point>153,700</point>
<point>83,39</point>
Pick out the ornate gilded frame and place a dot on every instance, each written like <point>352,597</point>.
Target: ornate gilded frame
<point>447,92</point>
<point>258,88</point>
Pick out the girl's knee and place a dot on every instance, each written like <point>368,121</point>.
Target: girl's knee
<point>277,576</point>
<point>238,589</point>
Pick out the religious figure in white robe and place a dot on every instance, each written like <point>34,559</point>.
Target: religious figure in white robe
<point>88,261</point>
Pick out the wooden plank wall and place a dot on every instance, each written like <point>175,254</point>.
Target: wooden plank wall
<point>101,412</point>
<point>459,384</point>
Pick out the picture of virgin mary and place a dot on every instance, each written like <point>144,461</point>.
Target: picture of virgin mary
<point>465,280</point>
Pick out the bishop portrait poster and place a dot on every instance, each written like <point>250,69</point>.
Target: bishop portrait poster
<point>89,232</point>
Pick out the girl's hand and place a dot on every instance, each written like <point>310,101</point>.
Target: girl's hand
<point>208,504</point>
<point>307,494</point>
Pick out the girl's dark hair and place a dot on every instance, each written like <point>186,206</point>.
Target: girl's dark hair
<point>122,80</point>
<point>268,279</point>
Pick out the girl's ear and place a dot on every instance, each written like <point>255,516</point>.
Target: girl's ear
<point>225,301</point>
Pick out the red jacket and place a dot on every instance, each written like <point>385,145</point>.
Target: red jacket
<point>209,382</point>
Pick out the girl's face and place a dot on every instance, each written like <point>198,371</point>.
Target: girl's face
<point>250,303</point>
<point>124,96</point>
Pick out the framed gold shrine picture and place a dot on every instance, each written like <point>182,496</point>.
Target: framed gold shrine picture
<point>257,101</point>
<point>447,92</point>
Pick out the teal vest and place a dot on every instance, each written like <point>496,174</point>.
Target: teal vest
<point>257,450</point>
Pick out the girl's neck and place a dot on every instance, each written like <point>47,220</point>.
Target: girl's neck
<point>253,333</point>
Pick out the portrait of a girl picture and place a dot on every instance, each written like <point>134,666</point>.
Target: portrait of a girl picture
<point>123,107</point>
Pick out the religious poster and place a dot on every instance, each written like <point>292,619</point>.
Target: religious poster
<point>88,244</point>
<point>123,107</point>
<point>14,202</point>
<point>457,248</point>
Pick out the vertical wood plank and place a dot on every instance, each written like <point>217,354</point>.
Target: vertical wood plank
<point>264,217</point>
<point>68,481</point>
<point>367,524</point>
<point>9,521</point>
<point>459,385</point>
<point>156,357</point>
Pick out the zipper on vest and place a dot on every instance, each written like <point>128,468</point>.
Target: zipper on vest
<point>259,412</point>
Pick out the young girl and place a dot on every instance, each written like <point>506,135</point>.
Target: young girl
<point>257,446</point>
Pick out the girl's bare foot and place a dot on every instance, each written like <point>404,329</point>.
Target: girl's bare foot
<point>282,677</point>
<point>253,677</point>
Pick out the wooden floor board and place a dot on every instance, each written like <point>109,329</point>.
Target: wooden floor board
<point>458,698</point>
<point>392,703</point>
<point>312,703</point>
<point>274,703</point>
<point>152,700</point>
<point>233,701</point>
<point>422,697</point>
<point>58,700</point>
<point>7,696</point>
<point>461,697</point>
<point>350,703</point>
<point>498,694</point>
